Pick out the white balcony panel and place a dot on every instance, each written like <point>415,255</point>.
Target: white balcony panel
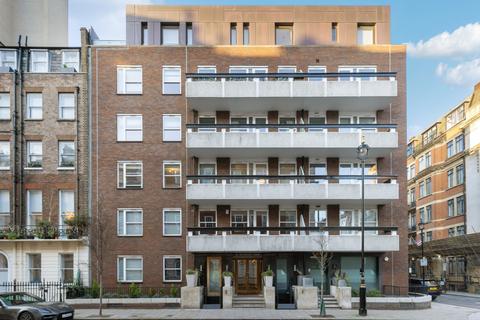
<point>289,243</point>
<point>279,144</point>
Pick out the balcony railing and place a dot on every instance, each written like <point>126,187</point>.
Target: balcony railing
<point>42,233</point>
<point>412,228</point>
<point>388,230</point>
<point>370,127</point>
<point>290,76</point>
<point>292,179</point>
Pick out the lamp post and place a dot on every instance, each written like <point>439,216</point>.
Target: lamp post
<point>421,226</point>
<point>362,153</point>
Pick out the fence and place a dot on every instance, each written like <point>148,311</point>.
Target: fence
<point>47,290</point>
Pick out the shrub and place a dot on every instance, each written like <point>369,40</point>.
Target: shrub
<point>374,293</point>
<point>227,274</point>
<point>161,292</point>
<point>354,293</point>
<point>268,273</point>
<point>173,292</point>
<point>191,271</point>
<point>95,290</point>
<point>134,291</point>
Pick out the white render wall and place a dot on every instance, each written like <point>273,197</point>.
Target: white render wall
<point>17,250</point>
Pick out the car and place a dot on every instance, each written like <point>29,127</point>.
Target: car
<point>24,306</point>
<point>430,287</point>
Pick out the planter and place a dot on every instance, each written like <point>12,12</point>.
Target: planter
<point>268,281</point>
<point>342,283</point>
<point>191,280</point>
<point>228,281</point>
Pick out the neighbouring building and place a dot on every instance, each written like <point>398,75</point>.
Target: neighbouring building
<point>224,138</point>
<point>44,22</point>
<point>443,169</point>
<point>43,164</point>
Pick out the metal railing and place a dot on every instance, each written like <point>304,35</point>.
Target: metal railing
<point>297,179</point>
<point>42,232</point>
<point>126,291</point>
<point>388,230</point>
<point>47,290</point>
<point>370,126</point>
<point>288,76</point>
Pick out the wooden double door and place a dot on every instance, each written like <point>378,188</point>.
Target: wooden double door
<point>248,278</point>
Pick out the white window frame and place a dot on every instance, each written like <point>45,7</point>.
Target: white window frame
<point>370,27</point>
<point>29,154</point>
<point>172,129</point>
<point>123,164</point>
<point>123,212</point>
<point>62,268</point>
<point>122,136</point>
<point>30,267</point>
<point>5,101</point>
<point>125,270</point>
<point>30,213</point>
<point>32,62</point>
<point>62,105</point>
<point>179,211</point>
<point>5,215</point>
<point>354,69</point>
<point>202,223</point>
<point>166,162</point>
<point>60,154</point>
<point>8,63</point>
<point>317,69</point>
<point>6,145</point>
<point>71,64</point>
<point>286,67</point>
<point>61,214</point>
<point>122,79</point>
<point>29,108</point>
<point>174,27</point>
<point>177,68</point>
<point>165,269</point>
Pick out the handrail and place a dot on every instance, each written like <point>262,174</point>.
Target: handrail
<point>292,177</point>
<point>294,75</point>
<point>295,229</point>
<point>270,125</point>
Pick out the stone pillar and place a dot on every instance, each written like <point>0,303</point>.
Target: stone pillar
<point>332,118</point>
<point>191,297</point>
<point>273,119</point>
<point>306,298</point>
<point>269,296</point>
<point>227,297</point>
<point>344,297</point>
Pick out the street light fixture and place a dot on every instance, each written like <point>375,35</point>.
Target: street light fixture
<point>362,154</point>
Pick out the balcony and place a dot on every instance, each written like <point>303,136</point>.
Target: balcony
<point>297,239</point>
<point>250,140</point>
<point>36,233</point>
<point>367,91</point>
<point>263,189</point>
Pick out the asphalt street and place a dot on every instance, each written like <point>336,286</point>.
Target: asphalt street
<point>461,301</point>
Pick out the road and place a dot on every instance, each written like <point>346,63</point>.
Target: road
<point>461,301</point>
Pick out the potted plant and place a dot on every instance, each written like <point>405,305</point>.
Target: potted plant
<point>227,278</point>
<point>342,279</point>
<point>191,277</point>
<point>268,277</point>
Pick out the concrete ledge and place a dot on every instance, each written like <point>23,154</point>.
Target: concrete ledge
<point>306,298</point>
<point>227,297</point>
<point>344,297</point>
<point>396,303</point>
<point>269,296</point>
<point>191,297</point>
<point>124,301</point>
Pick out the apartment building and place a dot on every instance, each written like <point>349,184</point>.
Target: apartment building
<point>43,174</point>
<point>443,179</point>
<point>225,138</point>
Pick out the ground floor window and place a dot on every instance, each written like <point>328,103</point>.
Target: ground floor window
<point>66,267</point>
<point>3,268</point>
<point>353,218</point>
<point>172,268</point>
<point>130,269</point>
<point>351,266</point>
<point>34,267</point>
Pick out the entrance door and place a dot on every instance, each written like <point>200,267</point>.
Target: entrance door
<point>247,273</point>
<point>214,276</point>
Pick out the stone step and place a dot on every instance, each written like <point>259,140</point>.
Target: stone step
<point>248,306</point>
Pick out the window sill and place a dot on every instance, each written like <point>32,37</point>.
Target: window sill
<point>129,235</point>
<point>33,169</point>
<point>130,188</point>
<point>66,168</point>
<point>130,281</point>
<point>33,119</point>
<point>169,281</point>
<point>136,141</point>
<point>172,235</point>
<point>5,119</point>
<point>172,188</point>
<point>66,120</point>
<point>5,169</point>
<point>129,93</point>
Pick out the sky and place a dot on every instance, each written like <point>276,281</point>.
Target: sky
<point>443,37</point>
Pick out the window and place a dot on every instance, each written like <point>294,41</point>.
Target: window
<point>287,169</point>
<point>34,154</point>
<point>4,155</point>
<point>459,144</point>
<point>129,222</point>
<point>286,69</point>
<point>246,33</point>
<point>172,269</point>
<point>421,163</point>
<point>130,174</point>
<point>460,173</point>
<point>288,218</point>
<point>172,174</point>
<point>410,149</point>
<point>428,159</point>
<point>334,32</point>
<point>317,69</point>
<point>34,106</point>
<point>66,106</point>
<point>206,120</point>
<point>429,213</point>
<point>129,269</point>
<point>450,180</point>
<point>8,58</point>
<point>429,135</point>
<point>233,34</point>
<point>365,34</point>
<point>316,120</point>
<point>38,61</point>
<point>411,171</point>
<point>317,218</point>
<point>422,189</point>
<point>353,218</point>
<point>357,69</point>
<point>172,222</point>
<point>71,59</point>
<point>411,196</point>
<point>66,154</point>
<point>170,34</point>
<point>283,34</point>
<point>412,220</point>
<point>129,79</point>
<point>144,35</point>
<point>451,208</point>
<point>428,186</point>
<point>207,219</point>
<point>460,230</point>
<point>34,267</point>
<point>428,236</point>
<point>286,120</point>
<point>66,267</point>
<point>451,232</point>
<point>172,127</point>
<point>4,208</point>
<point>67,207</point>
<point>189,35</point>
<point>34,207</point>
<point>239,218</point>
<point>129,127</point>
<point>171,80</point>
<point>422,215</point>
<point>450,149</point>
<point>455,117</point>
<point>5,106</point>
<point>460,205</point>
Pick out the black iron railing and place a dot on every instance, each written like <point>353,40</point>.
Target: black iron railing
<point>42,232</point>
<point>47,290</point>
<point>307,230</point>
<point>291,126</point>
<point>288,75</point>
<point>295,178</point>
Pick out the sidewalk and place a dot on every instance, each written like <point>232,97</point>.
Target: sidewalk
<point>437,312</point>
<point>463,294</point>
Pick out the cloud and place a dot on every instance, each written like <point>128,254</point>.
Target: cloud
<point>465,73</point>
<point>107,17</point>
<point>464,40</point>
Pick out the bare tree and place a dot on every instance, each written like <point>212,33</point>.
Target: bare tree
<point>323,257</point>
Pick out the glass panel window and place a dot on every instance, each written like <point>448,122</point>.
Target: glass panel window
<point>460,174</point>
<point>34,154</point>
<point>66,106</point>
<point>239,218</point>
<point>317,69</point>
<point>429,213</point>
<point>287,169</point>
<point>450,149</point>
<point>288,218</point>
<point>318,169</point>
<point>365,34</point>
<point>4,208</point>
<point>207,169</point>
<point>189,34</point>
<point>71,59</point>
<point>353,218</point>
<point>422,215</point>
<point>429,135</point>
<point>172,174</point>
<point>172,127</point>
<point>316,120</point>
<point>451,232</point>
<point>428,186</point>
<point>129,222</point>
<point>130,174</point>
<point>459,144</point>
<point>129,127</point>
<point>206,120</point>
<point>428,159</point>
<point>170,34</point>
<point>34,207</point>
<point>284,34</point>
<point>455,117</point>
<point>66,154</point>
<point>451,207</point>
<point>460,230</point>
<point>129,80</point>
<point>171,80</point>
<point>172,222</point>
<point>334,32</point>
<point>4,155</point>
<point>5,106</point>
<point>460,205</point>
<point>8,58</point>
<point>207,69</point>
<point>422,189</point>
<point>410,149</point>
<point>421,163</point>
<point>172,268</point>
<point>246,33</point>
<point>286,120</point>
<point>450,181</point>
<point>207,219</point>
<point>66,267</point>
<point>34,267</point>
<point>233,34</point>
<point>318,218</point>
<point>67,206</point>
<point>34,106</point>
<point>38,61</point>
<point>428,236</point>
<point>129,269</point>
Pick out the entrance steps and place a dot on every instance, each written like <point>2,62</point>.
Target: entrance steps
<point>251,301</point>
<point>330,302</point>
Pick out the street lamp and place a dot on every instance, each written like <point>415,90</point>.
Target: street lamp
<point>362,153</point>
<point>421,226</point>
